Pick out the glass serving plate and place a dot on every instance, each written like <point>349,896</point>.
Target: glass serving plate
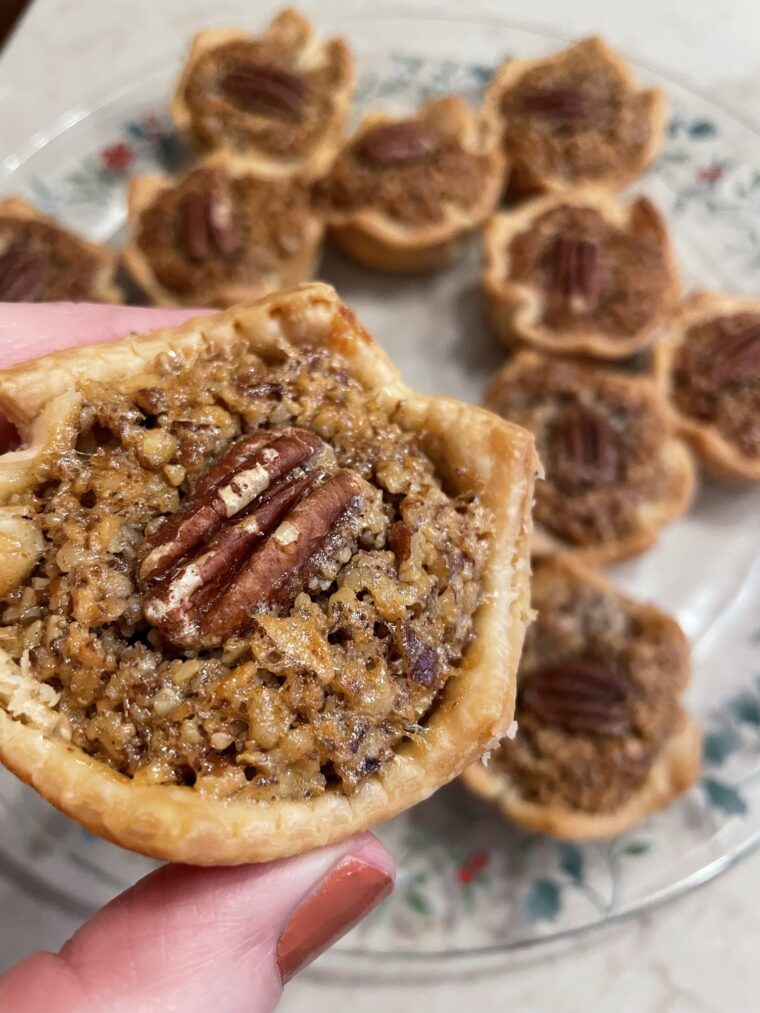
<point>471,888</point>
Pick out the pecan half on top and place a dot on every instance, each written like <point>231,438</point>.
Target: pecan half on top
<point>581,695</point>
<point>583,449</point>
<point>265,89</point>
<point>390,144</point>
<point>264,524</point>
<point>207,221</point>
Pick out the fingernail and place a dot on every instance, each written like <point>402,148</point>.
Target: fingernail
<point>346,894</point>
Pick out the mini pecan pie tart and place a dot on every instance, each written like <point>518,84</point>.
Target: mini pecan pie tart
<point>40,261</point>
<point>615,472</point>
<point>280,99</point>
<point>708,366</point>
<point>580,273</point>
<point>220,235</point>
<point>576,117</point>
<point>404,194</point>
<point>602,738</point>
<point>257,594</point>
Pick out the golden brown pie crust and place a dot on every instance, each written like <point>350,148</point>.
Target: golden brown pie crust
<point>312,53</point>
<point>514,309</point>
<point>104,288</point>
<point>673,772</point>
<point>144,190</point>
<point>497,460</point>
<point>652,515</point>
<point>718,456</point>
<point>372,237</point>
<point>524,179</point>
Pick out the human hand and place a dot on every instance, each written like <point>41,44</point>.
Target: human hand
<point>186,938</point>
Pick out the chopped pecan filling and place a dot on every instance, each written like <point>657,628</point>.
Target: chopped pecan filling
<point>716,378</point>
<point>600,442</point>
<point>215,230</point>
<point>253,94</point>
<point>408,169</point>
<point>40,263</point>
<point>250,579</point>
<point>575,118</point>
<point>591,273</point>
<point>598,697</point>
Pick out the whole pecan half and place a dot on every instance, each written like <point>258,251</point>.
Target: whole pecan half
<point>575,271</point>
<point>583,449</point>
<point>736,358</point>
<point>256,530</point>
<point>396,143</point>
<point>266,89</point>
<point>21,273</point>
<point>562,104</point>
<point>581,695</point>
<point>208,223</point>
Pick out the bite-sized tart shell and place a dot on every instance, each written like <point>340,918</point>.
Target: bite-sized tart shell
<point>379,241</point>
<point>674,771</point>
<point>524,182</point>
<point>652,516</point>
<point>514,308</point>
<point>313,52</point>
<point>496,460</point>
<point>717,455</point>
<point>104,288</point>
<point>143,191</point>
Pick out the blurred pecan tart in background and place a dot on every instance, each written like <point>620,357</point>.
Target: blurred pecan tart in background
<point>580,273</point>
<point>404,194</point>
<point>602,738</point>
<point>40,261</point>
<point>280,98</point>
<point>260,594</point>
<point>615,471</point>
<point>708,366</point>
<point>220,235</point>
<point>576,117</point>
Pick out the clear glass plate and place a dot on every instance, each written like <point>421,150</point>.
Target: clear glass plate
<point>471,888</point>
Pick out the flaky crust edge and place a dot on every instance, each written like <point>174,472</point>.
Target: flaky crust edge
<point>674,772</point>
<point>524,184</point>
<point>378,241</point>
<point>476,706</point>
<point>143,191</point>
<point>719,457</point>
<point>653,516</point>
<point>105,289</point>
<point>512,308</point>
<point>319,158</point>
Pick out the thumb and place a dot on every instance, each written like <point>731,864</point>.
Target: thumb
<point>195,939</point>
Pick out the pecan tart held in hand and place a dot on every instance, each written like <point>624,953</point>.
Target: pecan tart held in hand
<point>219,235</point>
<point>279,99</point>
<point>404,194</point>
<point>708,366</point>
<point>573,118</point>
<point>40,261</point>
<point>616,473</point>
<point>258,594</point>
<point>581,274</point>
<point>602,738</point>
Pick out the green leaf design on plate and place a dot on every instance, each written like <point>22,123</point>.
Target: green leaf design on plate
<point>747,710</point>
<point>724,797</point>
<point>718,746</point>
<point>419,903</point>
<point>702,128</point>
<point>571,861</point>
<point>637,847</point>
<point>544,900</point>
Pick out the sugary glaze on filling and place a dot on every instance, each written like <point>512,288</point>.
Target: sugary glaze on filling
<point>257,94</point>
<point>308,596</point>
<point>594,274</point>
<point>600,437</point>
<point>42,263</point>
<point>409,170</point>
<point>215,229</point>
<point>716,378</point>
<point>598,681</point>
<point>575,117</point>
